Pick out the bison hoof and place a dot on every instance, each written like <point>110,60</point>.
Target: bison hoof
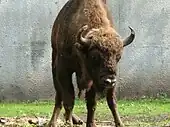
<point>78,122</point>
<point>91,125</point>
<point>120,125</point>
<point>68,124</point>
<point>52,125</point>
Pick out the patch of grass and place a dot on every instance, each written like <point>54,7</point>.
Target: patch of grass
<point>26,109</point>
<point>147,107</point>
<point>144,107</point>
<point>142,112</point>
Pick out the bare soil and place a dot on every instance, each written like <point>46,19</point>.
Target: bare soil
<point>40,122</point>
<point>138,121</point>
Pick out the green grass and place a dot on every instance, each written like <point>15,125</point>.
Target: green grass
<point>25,109</point>
<point>144,111</point>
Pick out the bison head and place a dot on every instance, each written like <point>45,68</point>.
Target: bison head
<point>101,49</point>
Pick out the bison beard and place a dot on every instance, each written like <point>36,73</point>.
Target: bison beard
<point>85,41</point>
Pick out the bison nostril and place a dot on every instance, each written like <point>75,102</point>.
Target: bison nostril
<point>108,81</point>
<point>114,81</point>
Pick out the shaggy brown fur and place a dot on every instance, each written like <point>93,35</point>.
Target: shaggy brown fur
<point>85,41</point>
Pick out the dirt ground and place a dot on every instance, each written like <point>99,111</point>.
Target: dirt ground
<point>41,122</point>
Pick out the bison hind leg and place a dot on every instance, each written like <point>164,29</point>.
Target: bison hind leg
<point>56,112</point>
<point>58,100</point>
<point>65,79</point>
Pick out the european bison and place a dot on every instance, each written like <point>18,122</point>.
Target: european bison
<point>85,41</point>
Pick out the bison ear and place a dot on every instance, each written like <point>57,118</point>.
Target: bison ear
<point>78,46</point>
<point>130,38</point>
<point>82,48</point>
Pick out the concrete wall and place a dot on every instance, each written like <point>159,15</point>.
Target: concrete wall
<point>145,66</point>
<point>25,50</point>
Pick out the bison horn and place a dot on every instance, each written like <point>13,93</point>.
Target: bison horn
<point>85,40</point>
<point>80,35</point>
<point>82,30</point>
<point>129,39</point>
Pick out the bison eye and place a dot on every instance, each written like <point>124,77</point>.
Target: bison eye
<point>95,57</point>
<point>95,60</point>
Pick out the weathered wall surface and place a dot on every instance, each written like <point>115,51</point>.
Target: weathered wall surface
<point>145,66</point>
<point>25,50</point>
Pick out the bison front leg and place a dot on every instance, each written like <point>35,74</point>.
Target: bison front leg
<point>111,101</point>
<point>91,107</point>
